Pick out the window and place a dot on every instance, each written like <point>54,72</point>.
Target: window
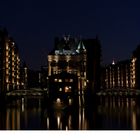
<point>71,80</point>
<point>55,80</point>
<point>60,80</point>
<point>68,80</point>
<point>60,89</point>
<point>68,89</point>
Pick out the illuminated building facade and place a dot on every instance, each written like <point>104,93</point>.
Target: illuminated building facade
<point>75,57</point>
<point>63,87</point>
<point>9,63</point>
<point>135,68</point>
<point>118,75</point>
<point>133,72</point>
<point>124,74</point>
<point>69,55</point>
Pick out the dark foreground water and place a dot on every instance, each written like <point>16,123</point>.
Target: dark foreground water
<point>110,114</point>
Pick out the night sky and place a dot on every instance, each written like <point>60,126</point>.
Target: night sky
<point>34,24</point>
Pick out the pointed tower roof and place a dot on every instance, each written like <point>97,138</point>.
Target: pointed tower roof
<point>113,62</point>
<point>81,47</point>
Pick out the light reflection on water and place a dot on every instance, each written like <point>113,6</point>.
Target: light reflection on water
<point>110,114</point>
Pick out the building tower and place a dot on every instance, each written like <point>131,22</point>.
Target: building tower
<point>68,58</point>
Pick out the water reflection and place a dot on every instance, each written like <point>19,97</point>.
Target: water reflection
<point>59,119</point>
<point>110,114</point>
<point>13,119</point>
<point>134,126</point>
<point>120,113</point>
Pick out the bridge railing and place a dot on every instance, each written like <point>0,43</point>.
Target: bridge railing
<point>119,92</point>
<point>25,93</point>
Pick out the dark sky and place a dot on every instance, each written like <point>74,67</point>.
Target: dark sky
<point>34,24</point>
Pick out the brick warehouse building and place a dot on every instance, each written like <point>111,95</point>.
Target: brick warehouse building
<point>9,63</point>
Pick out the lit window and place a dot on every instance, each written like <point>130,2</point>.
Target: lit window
<point>7,80</point>
<point>134,59</point>
<point>6,59</point>
<point>60,89</point>
<point>70,101</point>
<point>7,71</point>
<point>85,83</point>
<point>68,89</point>
<point>58,100</point>
<point>71,80</point>
<point>55,80</point>
<point>60,80</point>
<point>6,53</point>
<point>6,47</point>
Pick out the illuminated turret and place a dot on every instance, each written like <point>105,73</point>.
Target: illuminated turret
<point>113,62</point>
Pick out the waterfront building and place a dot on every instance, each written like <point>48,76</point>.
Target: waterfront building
<point>123,74</point>
<point>117,75</point>
<point>9,63</point>
<point>67,69</point>
<point>69,55</point>
<point>135,68</point>
<point>74,57</point>
<point>63,86</point>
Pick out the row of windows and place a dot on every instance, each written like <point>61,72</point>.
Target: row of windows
<point>66,89</point>
<point>66,80</point>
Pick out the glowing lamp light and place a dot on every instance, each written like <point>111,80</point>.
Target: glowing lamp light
<point>58,100</point>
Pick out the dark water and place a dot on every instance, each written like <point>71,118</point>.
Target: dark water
<point>109,114</point>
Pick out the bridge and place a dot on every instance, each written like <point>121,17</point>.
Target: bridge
<point>24,98</point>
<point>26,93</point>
<point>119,92</point>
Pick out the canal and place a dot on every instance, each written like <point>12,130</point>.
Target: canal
<point>108,114</point>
